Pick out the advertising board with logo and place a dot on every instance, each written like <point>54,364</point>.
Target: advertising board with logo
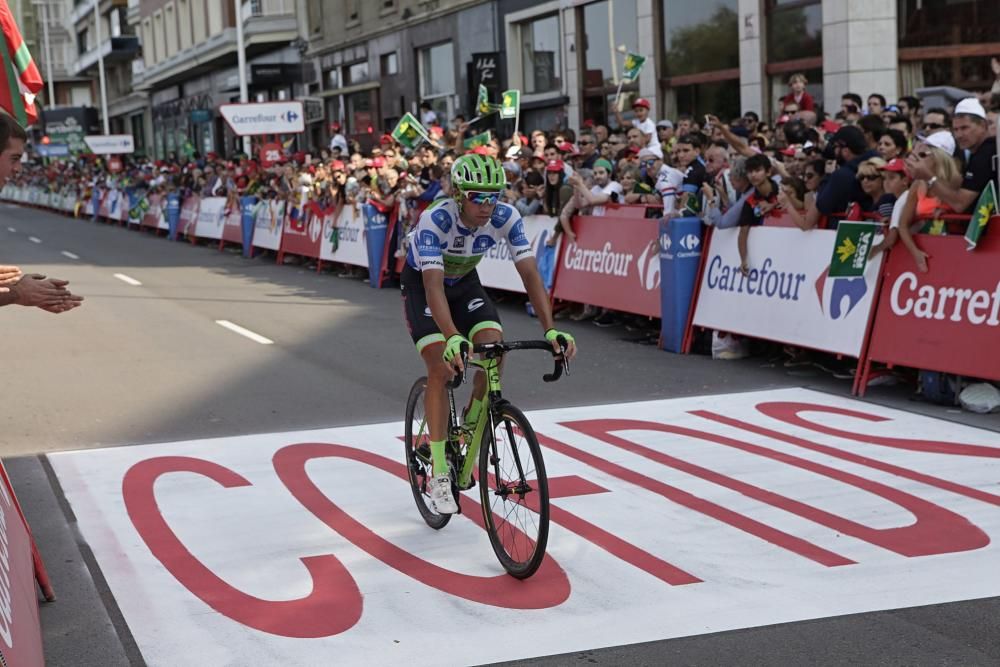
<point>947,319</point>
<point>303,235</point>
<point>269,215</point>
<point>620,271</point>
<point>264,118</point>
<point>787,295</point>
<point>211,218</point>
<point>344,238</point>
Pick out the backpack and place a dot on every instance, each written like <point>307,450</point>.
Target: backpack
<point>940,388</point>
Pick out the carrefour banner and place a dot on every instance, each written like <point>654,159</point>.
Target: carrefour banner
<point>613,263</point>
<point>211,218</point>
<point>269,217</point>
<point>344,238</point>
<point>948,318</point>
<point>496,269</point>
<point>787,295</point>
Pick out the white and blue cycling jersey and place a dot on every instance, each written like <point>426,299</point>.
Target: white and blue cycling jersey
<point>441,241</point>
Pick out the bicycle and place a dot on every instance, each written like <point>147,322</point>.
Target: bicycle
<point>513,487</point>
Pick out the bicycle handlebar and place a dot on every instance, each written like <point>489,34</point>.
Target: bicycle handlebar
<point>494,350</point>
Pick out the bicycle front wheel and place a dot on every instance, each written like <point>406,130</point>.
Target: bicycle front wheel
<point>515,493</point>
<point>419,466</point>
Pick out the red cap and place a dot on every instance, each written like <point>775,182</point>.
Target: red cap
<point>554,165</point>
<point>897,165</point>
<point>790,151</point>
<point>481,150</point>
<point>436,131</point>
<point>386,139</point>
<point>335,126</point>
<point>783,119</point>
<point>641,102</point>
<point>377,162</point>
<point>567,147</point>
<point>829,126</point>
<point>337,165</point>
<point>589,122</point>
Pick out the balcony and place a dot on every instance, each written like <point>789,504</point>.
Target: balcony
<point>116,49</point>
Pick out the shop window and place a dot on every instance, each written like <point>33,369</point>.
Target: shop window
<point>794,31</point>
<point>700,37</point>
<point>541,68</point>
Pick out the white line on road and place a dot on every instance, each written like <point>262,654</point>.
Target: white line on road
<point>67,253</point>
<point>127,279</point>
<point>11,229</point>
<point>235,328</point>
<point>34,239</point>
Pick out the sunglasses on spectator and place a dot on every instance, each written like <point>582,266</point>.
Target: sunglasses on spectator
<point>585,143</point>
<point>481,198</point>
<point>933,126</point>
<point>869,177</point>
<point>648,163</point>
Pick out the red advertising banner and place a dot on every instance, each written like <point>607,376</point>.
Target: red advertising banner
<point>189,216</point>
<point>614,263</point>
<point>947,319</point>
<point>303,236</point>
<point>20,627</point>
<point>232,228</point>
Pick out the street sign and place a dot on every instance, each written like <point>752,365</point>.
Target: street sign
<point>264,118</point>
<point>52,150</point>
<point>110,144</point>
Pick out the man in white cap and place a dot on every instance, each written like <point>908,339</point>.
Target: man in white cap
<point>642,121</point>
<point>972,134</point>
<point>666,180</point>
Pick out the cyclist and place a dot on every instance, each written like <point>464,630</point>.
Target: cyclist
<point>446,306</point>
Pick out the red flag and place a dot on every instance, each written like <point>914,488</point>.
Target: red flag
<point>20,80</point>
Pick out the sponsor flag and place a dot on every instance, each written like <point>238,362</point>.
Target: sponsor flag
<point>409,132</point>
<point>851,248</point>
<point>21,79</point>
<point>633,65</point>
<point>476,141</point>
<point>986,208</point>
<point>483,105</point>
<point>511,104</point>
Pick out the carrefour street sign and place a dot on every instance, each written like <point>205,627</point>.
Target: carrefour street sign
<point>110,144</point>
<point>264,118</point>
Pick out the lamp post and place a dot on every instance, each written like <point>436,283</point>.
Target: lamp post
<point>100,67</point>
<point>241,65</point>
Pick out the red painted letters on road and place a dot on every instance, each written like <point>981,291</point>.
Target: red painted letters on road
<point>333,606</point>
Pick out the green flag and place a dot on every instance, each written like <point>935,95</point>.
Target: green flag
<point>409,132</point>
<point>986,208</point>
<point>188,149</point>
<point>511,104</point>
<point>633,65</point>
<point>851,248</point>
<point>483,105</point>
<point>476,141</point>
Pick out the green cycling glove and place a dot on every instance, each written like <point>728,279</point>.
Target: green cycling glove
<point>552,335</point>
<point>453,347</point>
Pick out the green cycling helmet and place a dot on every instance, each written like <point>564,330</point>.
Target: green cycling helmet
<point>479,173</point>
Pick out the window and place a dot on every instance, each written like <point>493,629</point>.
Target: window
<point>353,13</point>
<point>115,22</point>
<point>356,73</point>
<point>148,53</point>
<point>388,6</point>
<point>184,19</point>
<point>794,32</point>
<point>389,64</point>
<point>947,22</point>
<point>540,49</point>
<point>159,40</point>
<point>604,60</point>
<point>214,17</point>
<point>81,42</point>
<point>333,79</point>
<point>170,24</point>
<point>700,37</point>
<point>198,21</point>
<point>437,78</point>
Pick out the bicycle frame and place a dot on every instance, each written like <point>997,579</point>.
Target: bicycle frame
<point>474,439</point>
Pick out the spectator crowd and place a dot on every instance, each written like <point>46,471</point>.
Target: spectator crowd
<point>895,162</point>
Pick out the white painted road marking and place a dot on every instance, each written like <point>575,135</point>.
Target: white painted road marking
<point>11,229</point>
<point>127,279</point>
<point>670,518</point>
<point>34,239</point>
<point>67,253</point>
<point>235,328</point>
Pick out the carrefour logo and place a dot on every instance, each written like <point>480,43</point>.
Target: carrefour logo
<point>851,290</point>
<point>765,281</point>
<point>289,116</point>
<point>690,242</point>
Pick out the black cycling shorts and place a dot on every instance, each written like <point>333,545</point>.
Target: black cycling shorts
<point>471,309</point>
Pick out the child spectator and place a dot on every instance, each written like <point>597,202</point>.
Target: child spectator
<point>797,94</point>
<point>762,200</point>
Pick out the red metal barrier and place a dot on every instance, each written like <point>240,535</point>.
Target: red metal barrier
<point>947,319</point>
<point>304,235</point>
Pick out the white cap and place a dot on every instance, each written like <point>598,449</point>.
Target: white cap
<point>942,140</point>
<point>971,106</point>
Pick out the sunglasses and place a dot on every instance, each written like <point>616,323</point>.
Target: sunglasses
<point>869,177</point>
<point>933,126</point>
<point>586,143</point>
<point>647,163</point>
<point>481,198</point>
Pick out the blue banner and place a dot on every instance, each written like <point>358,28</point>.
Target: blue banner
<point>248,204</point>
<point>173,214</point>
<point>376,225</point>
<point>680,254</point>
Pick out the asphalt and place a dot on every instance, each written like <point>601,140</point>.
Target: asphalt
<point>142,364</point>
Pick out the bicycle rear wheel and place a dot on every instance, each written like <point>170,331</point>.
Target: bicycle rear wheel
<point>418,456</point>
<point>514,491</point>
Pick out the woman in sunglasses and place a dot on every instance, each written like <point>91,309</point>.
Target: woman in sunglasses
<point>930,161</point>
<point>446,306</point>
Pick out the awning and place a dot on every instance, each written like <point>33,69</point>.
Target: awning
<point>347,90</point>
